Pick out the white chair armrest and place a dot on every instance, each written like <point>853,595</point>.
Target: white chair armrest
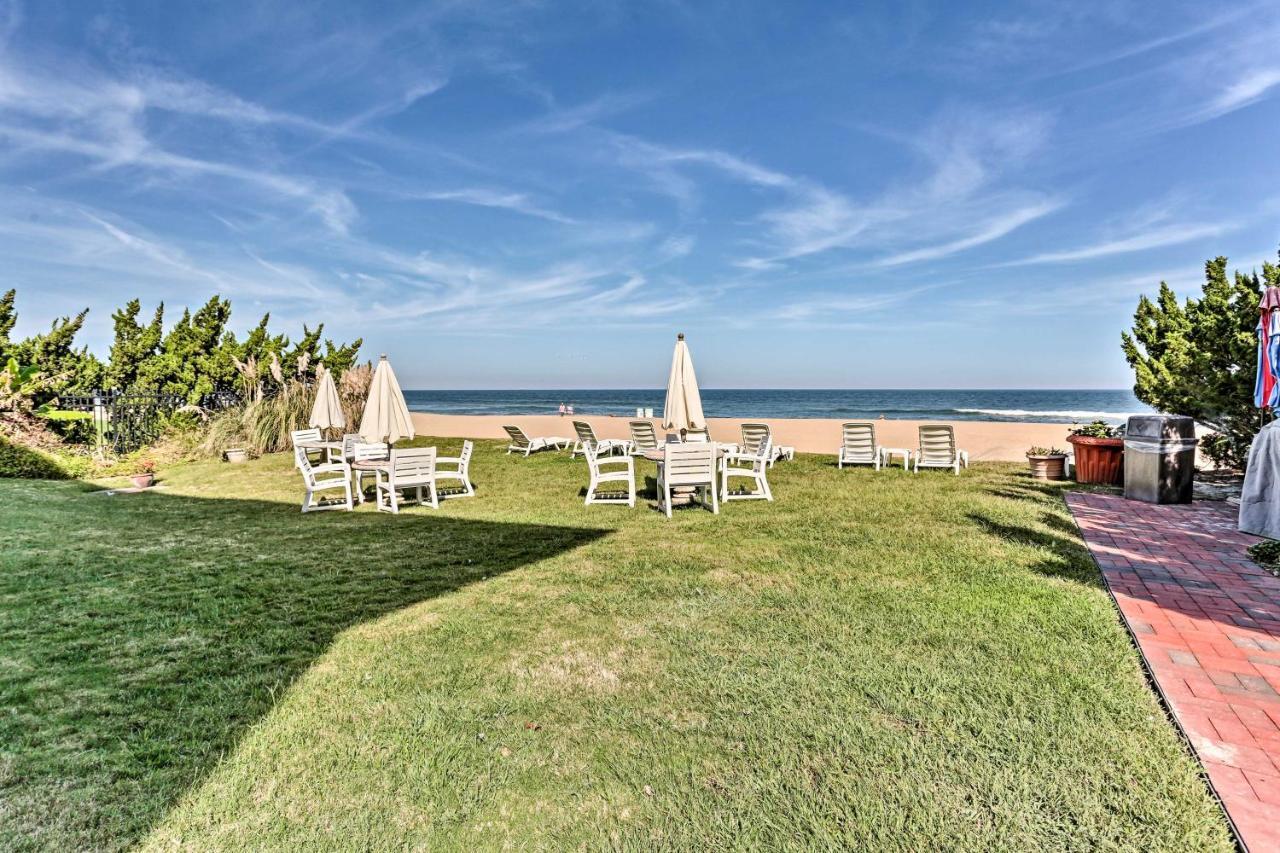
<point>456,459</point>
<point>332,467</point>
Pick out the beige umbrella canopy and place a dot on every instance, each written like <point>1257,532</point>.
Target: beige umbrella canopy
<point>326,413</point>
<point>386,417</point>
<point>683,409</point>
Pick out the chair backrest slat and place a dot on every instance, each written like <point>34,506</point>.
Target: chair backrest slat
<point>753,434</point>
<point>412,463</point>
<point>465,456</point>
<point>584,431</point>
<point>689,463</point>
<point>937,443</point>
<point>368,451</point>
<point>518,438</point>
<point>696,436</point>
<point>643,435</point>
<point>305,436</point>
<point>859,437</point>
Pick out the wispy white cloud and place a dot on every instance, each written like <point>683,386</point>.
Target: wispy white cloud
<point>1251,88</point>
<point>986,233</point>
<point>1170,235</point>
<point>482,197</point>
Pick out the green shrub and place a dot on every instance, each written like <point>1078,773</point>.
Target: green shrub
<point>1267,555</point>
<point>1097,429</point>
<point>25,463</point>
<point>1219,448</point>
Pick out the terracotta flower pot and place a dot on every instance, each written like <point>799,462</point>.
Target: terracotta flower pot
<point>1048,467</point>
<point>1099,460</point>
<point>143,481</point>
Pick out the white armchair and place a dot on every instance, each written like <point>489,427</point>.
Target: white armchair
<point>329,476</point>
<point>604,469</point>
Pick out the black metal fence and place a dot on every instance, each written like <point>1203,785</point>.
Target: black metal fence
<point>127,420</point>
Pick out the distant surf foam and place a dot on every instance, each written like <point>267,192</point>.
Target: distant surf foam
<point>1073,415</point>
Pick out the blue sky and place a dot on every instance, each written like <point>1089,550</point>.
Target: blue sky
<point>540,194</point>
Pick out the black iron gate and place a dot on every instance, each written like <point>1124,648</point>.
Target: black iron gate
<point>125,421</point>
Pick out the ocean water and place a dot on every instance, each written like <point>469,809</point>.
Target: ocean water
<point>1001,405</point>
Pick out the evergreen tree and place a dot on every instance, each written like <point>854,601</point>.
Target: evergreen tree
<point>339,359</point>
<point>134,345</point>
<point>191,361</point>
<point>8,316</point>
<point>64,368</point>
<point>1200,358</point>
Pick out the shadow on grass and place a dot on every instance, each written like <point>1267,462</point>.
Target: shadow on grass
<point>142,634</point>
<point>1069,558</point>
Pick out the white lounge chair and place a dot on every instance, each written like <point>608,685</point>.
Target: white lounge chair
<point>329,476</point>
<point>411,468</point>
<point>362,451</point>
<point>754,433</point>
<point>858,445</point>
<point>602,445</point>
<point>460,471</point>
<point>938,449</point>
<point>752,464</point>
<point>688,464</point>
<point>695,436</point>
<point>597,463</point>
<point>643,437</point>
<point>522,443</point>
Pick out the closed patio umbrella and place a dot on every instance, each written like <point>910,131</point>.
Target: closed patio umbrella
<point>386,417</point>
<point>326,413</point>
<point>1266,388</point>
<point>683,407</point>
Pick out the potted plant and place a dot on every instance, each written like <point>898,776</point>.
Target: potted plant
<point>1047,463</point>
<point>144,473</point>
<point>237,455</point>
<point>1099,453</point>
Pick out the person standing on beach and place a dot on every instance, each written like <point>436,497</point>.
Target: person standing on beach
<point>562,408</point>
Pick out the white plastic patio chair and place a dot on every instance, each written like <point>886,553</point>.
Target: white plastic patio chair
<point>586,434</point>
<point>938,449</point>
<point>754,433</point>
<point>362,451</point>
<point>349,442</point>
<point>522,443</point>
<point>460,471</point>
<point>858,445</point>
<point>309,436</point>
<point>643,437</point>
<point>695,436</point>
<point>753,465</point>
<point>329,476</point>
<point>602,467</point>
<point>688,464</point>
<point>412,468</point>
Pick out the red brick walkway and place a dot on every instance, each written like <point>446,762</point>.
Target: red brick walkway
<point>1207,620</point>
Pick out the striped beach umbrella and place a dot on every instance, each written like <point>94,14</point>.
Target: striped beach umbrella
<point>1266,386</point>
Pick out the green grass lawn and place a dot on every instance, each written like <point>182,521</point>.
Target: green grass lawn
<point>876,659</point>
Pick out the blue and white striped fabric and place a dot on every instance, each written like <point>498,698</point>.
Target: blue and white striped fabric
<point>1266,386</point>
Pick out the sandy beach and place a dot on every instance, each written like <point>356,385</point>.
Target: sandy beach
<point>986,441</point>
